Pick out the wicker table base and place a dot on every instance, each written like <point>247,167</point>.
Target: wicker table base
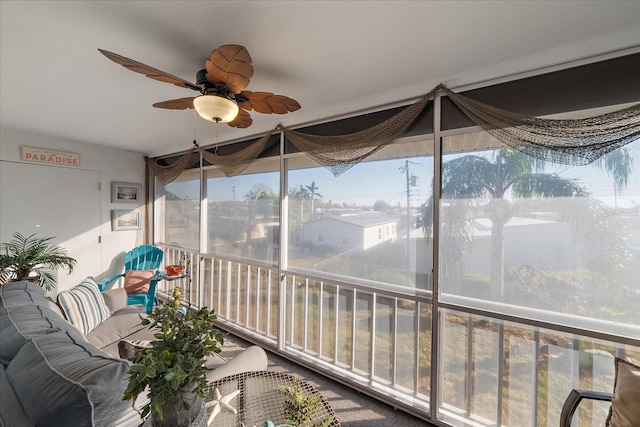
<point>259,399</point>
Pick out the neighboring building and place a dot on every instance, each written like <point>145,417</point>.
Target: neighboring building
<point>343,232</point>
<point>527,241</point>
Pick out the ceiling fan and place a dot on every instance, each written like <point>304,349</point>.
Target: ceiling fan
<point>221,85</point>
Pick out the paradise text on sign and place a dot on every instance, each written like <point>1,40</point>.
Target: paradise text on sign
<point>46,155</point>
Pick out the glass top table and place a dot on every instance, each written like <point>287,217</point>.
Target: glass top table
<point>259,400</point>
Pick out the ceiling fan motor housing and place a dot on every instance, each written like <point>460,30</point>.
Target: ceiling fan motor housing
<point>209,88</point>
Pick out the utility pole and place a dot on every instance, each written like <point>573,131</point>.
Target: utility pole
<point>411,181</point>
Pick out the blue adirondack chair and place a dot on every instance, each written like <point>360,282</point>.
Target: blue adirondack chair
<point>144,257</point>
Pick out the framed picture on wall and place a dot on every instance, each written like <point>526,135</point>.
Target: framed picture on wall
<point>125,220</point>
<point>125,192</point>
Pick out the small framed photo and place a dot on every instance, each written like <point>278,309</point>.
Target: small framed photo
<point>125,192</point>
<point>125,220</point>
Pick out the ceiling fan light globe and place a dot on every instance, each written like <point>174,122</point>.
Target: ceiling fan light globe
<point>216,108</point>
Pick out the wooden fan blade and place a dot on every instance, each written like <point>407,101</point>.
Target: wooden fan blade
<point>230,64</point>
<point>152,73</point>
<point>176,104</point>
<point>242,120</point>
<point>268,103</point>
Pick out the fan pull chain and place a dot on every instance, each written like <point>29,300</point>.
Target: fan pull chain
<point>215,151</point>
<point>194,127</point>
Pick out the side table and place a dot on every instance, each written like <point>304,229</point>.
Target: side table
<point>259,399</point>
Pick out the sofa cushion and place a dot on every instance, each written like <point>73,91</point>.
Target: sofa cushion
<point>121,324</point>
<point>138,281</point>
<point>63,381</point>
<point>11,412</point>
<point>84,306</point>
<point>20,324</point>
<point>25,313</point>
<point>625,402</point>
<point>22,292</point>
<point>253,358</point>
<point>115,298</point>
<point>26,293</point>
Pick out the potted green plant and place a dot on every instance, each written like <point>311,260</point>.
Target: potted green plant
<point>172,367</point>
<point>299,408</point>
<point>31,258</point>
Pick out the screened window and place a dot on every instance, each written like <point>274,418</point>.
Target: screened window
<point>179,211</point>
<point>553,239</point>
<point>242,215</point>
<point>342,219</point>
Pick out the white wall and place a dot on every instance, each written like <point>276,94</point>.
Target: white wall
<point>112,165</point>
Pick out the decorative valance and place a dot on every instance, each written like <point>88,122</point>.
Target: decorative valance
<point>341,152</point>
<point>235,163</point>
<point>168,173</point>
<point>573,142</point>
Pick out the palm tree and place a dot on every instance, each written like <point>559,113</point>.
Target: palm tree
<point>259,192</point>
<point>313,190</point>
<point>301,194</point>
<point>296,212</point>
<point>618,164</point>
<point>26,255</point>
<point>262,202</point>
<point>474,180</point>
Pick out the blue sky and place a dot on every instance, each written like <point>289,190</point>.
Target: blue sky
<point>368,182</point>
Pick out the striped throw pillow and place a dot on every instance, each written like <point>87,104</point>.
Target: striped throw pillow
<point>84,306</point>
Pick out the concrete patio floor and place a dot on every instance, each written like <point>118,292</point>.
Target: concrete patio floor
<point>353,409</point>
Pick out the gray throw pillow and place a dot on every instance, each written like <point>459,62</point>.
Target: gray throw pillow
<point>48,397</point>
<point>63,381</point>
<point>25,313</point>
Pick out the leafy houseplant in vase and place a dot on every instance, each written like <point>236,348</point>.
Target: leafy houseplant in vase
<point>172,367</point>
<point>31,258</point>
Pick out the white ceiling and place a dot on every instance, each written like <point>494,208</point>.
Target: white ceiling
<point>334,57</point>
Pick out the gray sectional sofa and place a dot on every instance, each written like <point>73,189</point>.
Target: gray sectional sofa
<point>53,375</point>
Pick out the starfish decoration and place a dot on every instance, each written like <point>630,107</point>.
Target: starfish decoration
<point>221,403</point>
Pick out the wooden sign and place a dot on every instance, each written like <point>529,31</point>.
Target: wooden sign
<point>49,156</point>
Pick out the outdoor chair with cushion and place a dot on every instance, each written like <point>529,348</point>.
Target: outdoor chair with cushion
<point>625,399</point>
<point>141,275</point>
